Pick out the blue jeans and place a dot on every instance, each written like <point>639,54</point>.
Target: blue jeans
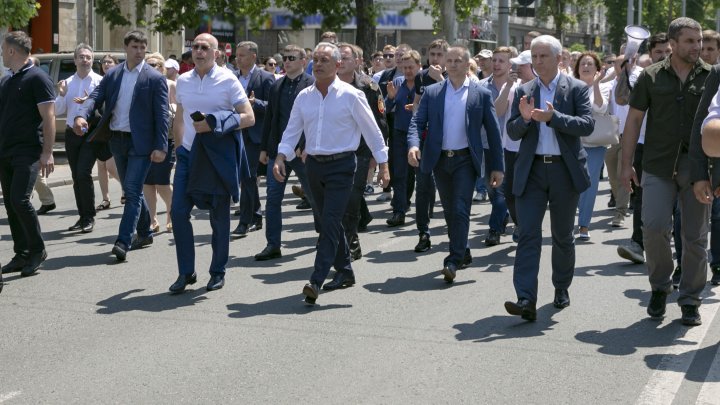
<point>455,180</point>
<point>499,211</point>
<point>586,204</point>
<point>132,169</point>
<point>182,205</point>
<point>275,195</point>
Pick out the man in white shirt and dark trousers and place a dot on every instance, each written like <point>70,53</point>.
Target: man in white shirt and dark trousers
<point>332,114</point>
<point>71,94</point>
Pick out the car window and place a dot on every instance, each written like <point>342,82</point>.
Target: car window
<point>45,65</point>
<point>67,69</point>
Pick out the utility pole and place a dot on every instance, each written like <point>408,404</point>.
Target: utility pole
<point>504,23</point>
<point>630,12</point>
<point>449,21</point>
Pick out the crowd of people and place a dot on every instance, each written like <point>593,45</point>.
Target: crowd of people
<point>526,130</point>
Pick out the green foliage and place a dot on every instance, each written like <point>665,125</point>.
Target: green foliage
<point>463,8</point>
<point>17,13</point>
<point>577,47</point>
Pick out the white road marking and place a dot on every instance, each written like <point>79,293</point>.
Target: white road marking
<point>710,391</point>
<point>667,378</point>
<point>9,396</point>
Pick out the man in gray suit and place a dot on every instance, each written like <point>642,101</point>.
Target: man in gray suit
<point>549,114</point>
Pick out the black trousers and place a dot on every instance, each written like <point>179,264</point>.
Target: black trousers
<point>81,158</point>
<point>17,179</point>
<point>356,207</point>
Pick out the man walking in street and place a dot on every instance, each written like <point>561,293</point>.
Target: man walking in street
<point>136,115</point>
<point>27,135</point>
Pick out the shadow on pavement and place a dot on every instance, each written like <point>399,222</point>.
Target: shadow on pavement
<point>292,305</point>
<point>301,274</point>
<point>623,268</point>
<point>500,327</point>
<point>123,302</point>
<point>59,263</point>
<point>423,282</point>
<point>699,369</point>
<point>625,341</point>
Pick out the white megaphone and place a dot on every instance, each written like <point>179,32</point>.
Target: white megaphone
<point>635,36</point>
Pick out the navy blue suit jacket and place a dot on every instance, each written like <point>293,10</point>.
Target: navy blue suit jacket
<point>572,119</point>
<point>480,112</point>
<point>272,132</point>
<point>260,82</point>
<point>149,109</point>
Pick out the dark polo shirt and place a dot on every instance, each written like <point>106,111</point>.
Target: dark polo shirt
<point>671,107</point>
<point>20,120</point>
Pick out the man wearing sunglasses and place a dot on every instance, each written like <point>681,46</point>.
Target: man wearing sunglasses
<point>136,117</point>
<point>277,114</point>
<point>256,83</point>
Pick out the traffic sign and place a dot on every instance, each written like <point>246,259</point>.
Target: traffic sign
<point>228,49</point>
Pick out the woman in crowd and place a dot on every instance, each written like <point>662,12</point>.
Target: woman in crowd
<point>105,162</point>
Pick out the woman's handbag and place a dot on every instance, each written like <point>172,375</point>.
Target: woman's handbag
<point>606,132</point>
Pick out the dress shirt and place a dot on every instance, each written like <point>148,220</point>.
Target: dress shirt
<point>454,128</point>
<point>245,80</point>
<point>713,110</point>
<point>547,141</point>
<point>76,87</point>
<point>332,124</point>
<point>120,120</point>
<point>218,90</point>
<point>402,97</point>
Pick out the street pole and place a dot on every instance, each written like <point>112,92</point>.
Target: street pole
<point>683,8</point>
<point>640,9</point>
<point>449,21</point>
<point>504,22</point>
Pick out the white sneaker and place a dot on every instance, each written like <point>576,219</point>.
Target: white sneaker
<point>618,220</point>
<point>383,197</point>
<point>632,252</point>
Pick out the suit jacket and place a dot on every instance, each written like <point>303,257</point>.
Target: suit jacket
<point>149,109</point>
<point>572,119</point>
<point>386,77</point>
<point>699,162</point>
<point>259,82</point>
<point>480,113</point>
<point>272,132</point>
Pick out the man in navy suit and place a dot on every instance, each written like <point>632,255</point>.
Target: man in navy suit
<point>455,112</point>
<point>256,82</point>
<point>135,101</point>
<point>549,114</point>
<point>277,115</point>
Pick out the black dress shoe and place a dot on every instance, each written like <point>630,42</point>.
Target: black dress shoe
<point>396,220</point>
<point>342,279</point>
<point>311,292</point>
<point>44,209</point>
<point>355,250</point>
<point>237,213</point>
<point>523,308</point>
<point>304,205</point>
<point>256,226</point>
<point>656,308</point>
<point>364,221</point>
<point>423,244</point>
<point>141,241</point>
<point>268,253</point>
<point>467,259</point>
<point>448,272</point>
<point>33,263</point>
<point>16,264</point>
<point>690,315</point>
<point>77,226</point>
<point>88,225</point>
<point>493,238</point>
<point>562,298</point>
<point>120,251</point>
<point>182,281</point>
<point>217,281</point>
<point>241,230</point>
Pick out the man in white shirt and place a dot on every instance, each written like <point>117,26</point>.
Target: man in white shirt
<point>71,94</point>
<point>204,176</point>
<point>332,114</point>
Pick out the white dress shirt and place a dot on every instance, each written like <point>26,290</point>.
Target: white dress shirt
<point>218,90</point>
<point>547,141</point>
<point>76,87</point>
<point>454,128</point>
<point>120,120</point>
<point>332,124</point>
<point>713,110</point>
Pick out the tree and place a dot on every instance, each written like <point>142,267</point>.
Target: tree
<point>15,13</point>
<point>446,14</point>
<point>562,19</point>
<point>173,15</point>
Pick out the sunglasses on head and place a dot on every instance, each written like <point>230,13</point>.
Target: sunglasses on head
<point>197,47</point>
<point>290,58</point>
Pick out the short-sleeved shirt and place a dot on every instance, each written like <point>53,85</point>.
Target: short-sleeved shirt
<point>671,107</point>
<point>20,119</point>
<point>218,90</point>
<point>423,79</point>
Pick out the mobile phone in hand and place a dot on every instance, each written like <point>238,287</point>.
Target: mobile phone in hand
<point>197,116</point>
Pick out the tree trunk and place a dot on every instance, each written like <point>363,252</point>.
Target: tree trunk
<point>366,37</point>
<point>3,31</point>
<point>449,21</point>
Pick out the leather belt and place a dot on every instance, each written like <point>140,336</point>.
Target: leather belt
<point>548,158</point>
<point>456,152</point>
<point>120,133</point>
<point>330,158</point>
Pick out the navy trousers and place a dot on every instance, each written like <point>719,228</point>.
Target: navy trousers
<point>330,184</point>
<point>250,211</point>
<point>547,183</point>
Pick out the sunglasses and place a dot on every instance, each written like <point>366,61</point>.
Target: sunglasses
<point>271,64</point>
<point>388,55</point>
<point>197,47</point>
<point>290,58</point>
<point>153,64</point>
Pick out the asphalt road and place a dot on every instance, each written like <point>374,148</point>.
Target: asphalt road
<point>87,329</point>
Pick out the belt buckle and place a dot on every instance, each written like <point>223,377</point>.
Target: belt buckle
<point>450,153</point>
<point>547,159</point>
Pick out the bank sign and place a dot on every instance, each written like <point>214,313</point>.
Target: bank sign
<point>387,20</point>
